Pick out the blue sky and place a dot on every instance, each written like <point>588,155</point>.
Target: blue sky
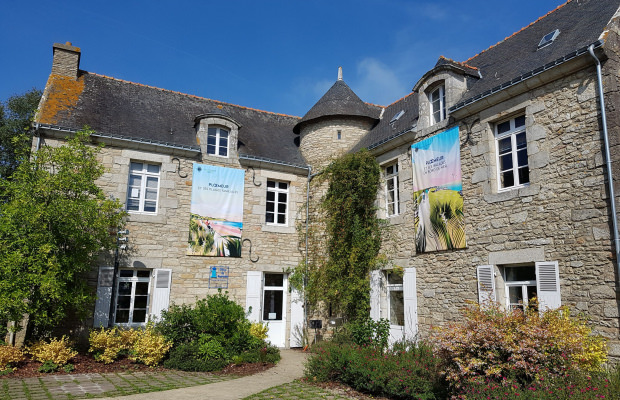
<point>278,56</point>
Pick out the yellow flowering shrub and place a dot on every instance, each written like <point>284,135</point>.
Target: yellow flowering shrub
<point>57,351</point>
<point>128,337</point>
<point>493,343</point>
<point>259,330</point>
<point>9,356</point>
<point>105,344</point>
<point>150,347</point>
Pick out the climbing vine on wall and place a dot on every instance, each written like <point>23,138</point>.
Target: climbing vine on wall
<point>345,236</point>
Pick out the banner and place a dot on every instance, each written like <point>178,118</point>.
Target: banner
<point>216,219</point>
<point>438,192</point>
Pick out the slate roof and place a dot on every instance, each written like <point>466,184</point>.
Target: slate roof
<point>581,23</point>
<point>117,107</point>
<point>339,100</point>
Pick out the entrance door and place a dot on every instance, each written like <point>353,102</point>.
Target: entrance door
<point>274,310</point>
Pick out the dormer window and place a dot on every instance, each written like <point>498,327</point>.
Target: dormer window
<point>217,141</point>
<point>437,99</point>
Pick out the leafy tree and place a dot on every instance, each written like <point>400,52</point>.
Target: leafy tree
<point>16,114</point>
<point>54,222</point>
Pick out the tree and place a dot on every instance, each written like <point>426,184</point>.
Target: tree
<point>16,115</point>
<point>54,223</point>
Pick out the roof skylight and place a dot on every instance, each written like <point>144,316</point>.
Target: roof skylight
<point>548,38</point>
<point>397,116</point>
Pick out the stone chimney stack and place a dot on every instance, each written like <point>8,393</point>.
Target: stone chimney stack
<point>66,60</point>
<point>339,73</point>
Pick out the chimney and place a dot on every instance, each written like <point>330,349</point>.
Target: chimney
<point>339,73</point>
<point>66,60</point>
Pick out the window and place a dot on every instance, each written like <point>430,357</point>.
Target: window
<point>217,141</point>
<point>391,190</point>
<point>143,187</point>
<point>396,303</point>
<point>277,200</point>
<point>520,286</point>
<point>511,147</point>
<point>132,297</point>
<point>437,99</point>
<point>339,135</point>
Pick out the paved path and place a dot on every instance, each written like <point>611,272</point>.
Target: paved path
<point>290,367</point>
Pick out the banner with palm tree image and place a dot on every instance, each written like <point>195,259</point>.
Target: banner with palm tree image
<point>216,219</point>
<point>438,193</point>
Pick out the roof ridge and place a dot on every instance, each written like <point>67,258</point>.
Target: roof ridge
<point>462,63</point>
<point>525,27</point>
<point>190,95</point>
<point>402,98</point>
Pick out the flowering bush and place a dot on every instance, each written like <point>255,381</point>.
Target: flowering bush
<point>105,344</point>
<point>58,352</point>
<point>528,346</point>
<point>9,356</point>
<point>150,347</point>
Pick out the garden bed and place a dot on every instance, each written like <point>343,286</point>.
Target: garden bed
<point>85,364</point>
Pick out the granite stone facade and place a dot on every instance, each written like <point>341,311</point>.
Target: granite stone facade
<point>560,219</point>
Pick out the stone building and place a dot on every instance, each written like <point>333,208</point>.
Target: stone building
<point>535,211</point>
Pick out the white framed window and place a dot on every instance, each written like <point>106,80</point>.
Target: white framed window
<point>273,297</point>
<point>276,212</point>
<point>217,141</point>
<point>396,301</point>
<point>143,187</point>
<point>520,282</point>
<point>131,304</point>
<point>511,150</point>
<point>437,99</point>
<point>392,200</point>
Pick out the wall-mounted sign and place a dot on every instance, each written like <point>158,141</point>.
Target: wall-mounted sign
<point>438,192</point>
<point>218,277</point>
<point>216,219</point>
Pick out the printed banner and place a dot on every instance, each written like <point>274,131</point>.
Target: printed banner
<point>216,212</point>
<point>438,192</point>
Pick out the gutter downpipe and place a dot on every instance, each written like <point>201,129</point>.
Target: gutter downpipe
<point>610,179</point>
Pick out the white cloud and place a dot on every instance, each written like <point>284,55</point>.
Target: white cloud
<point>377,83</point>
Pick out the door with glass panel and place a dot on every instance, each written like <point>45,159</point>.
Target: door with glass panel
<point>273,307</point>
<point>132,297</point>
<point>396,306</point>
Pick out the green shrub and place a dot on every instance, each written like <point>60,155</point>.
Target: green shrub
<point>403,374</point>
<point>183,357</point>
<point>526,346</point>
<point>217,329</point>
<point>367,332</point>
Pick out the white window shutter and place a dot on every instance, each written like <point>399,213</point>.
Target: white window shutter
<point>486,284</point>
<point>375,295</point>
<point>410,299</point>
<point>548,285</point>
<point>161,292</point>
<point>297,318</point>
<point>104,297</point>
<point>252,295</point>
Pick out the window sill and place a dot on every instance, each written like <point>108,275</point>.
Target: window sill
<point>278,228</point>
<point>396,219</point>
<point>141,217</point>
<point>509,194</point>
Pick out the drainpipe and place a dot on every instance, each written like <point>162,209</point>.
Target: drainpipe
<point>610,179</point>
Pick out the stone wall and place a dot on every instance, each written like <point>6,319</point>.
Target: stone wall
<point>320,143</point>
<point>160,241</point>
<point>560,216</point>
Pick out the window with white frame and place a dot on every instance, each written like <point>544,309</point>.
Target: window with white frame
<point>396,302</point>
<point>437,99</point>
<point>520,284</point>
<point>511,148</point>
<point>132,297</point>
<point>217,141</point>
<point>392,200</point>
<point>143,187</point>
<point>277,203</point>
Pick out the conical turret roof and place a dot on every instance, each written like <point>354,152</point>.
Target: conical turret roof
<point>339,100</point>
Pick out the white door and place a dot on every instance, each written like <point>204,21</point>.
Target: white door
<point>273,307</point>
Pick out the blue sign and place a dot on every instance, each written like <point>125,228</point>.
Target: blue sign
<point>218,278</point>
